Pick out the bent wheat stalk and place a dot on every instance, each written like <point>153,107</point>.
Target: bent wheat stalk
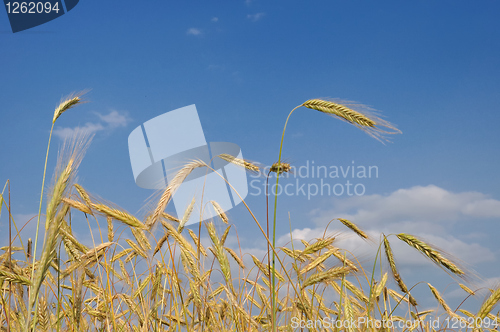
<point>171,189</point>
<point>370,123</point>
<point>397,277</point>
<point>435,255</point>
<point>489,304</point>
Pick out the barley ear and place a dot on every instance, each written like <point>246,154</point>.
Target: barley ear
<point>489,304</point>
<point>352,226</point>
<point>239,162</point>
<point>356,114</point>
<point>435,255</point>
<point>441,301</point>
<point>394,270</point>
<point>187,215</point>
<point>67,103</point>
<point>172,188</point>
<point>220,212</point>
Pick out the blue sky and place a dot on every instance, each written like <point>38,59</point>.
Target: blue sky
<point>431,67</point>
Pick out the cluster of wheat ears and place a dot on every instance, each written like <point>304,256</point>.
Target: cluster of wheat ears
<point>157,275</point>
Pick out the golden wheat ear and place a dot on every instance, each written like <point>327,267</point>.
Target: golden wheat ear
<point>249,166</point>
<point>67,103</point>
<point>171,189</point>
<point>359,115</point>
<point>434,254</point>
<point>397,277</point>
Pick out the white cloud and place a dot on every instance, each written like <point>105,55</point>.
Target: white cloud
<point>417,204</point>
<point>107,122</point>
<point>255,17</point>
<point>427,212</point>
<point>193,32</point>
<point>114,119</point>
<point>215,19</point>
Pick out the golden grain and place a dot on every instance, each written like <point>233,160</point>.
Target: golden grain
<point>489,304</point>
<point>172,188</point>
<point>240,162</point>
<point>435,255</point>
<point>67,103</point>
<point>356,114</point>
<point>392,263</point>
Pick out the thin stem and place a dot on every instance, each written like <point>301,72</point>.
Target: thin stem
<point>273,284</point>
<point>37,229</point>
<point>10,262</point>
<point>372,279</point>
<point>267,232</point>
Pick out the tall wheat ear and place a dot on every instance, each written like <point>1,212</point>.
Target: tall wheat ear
<point>437,256</point>
<point>67,103</point>
<point>69,159</point>
<point>489,304</point>
<point>359,115</point>
<point>397,277</point>
<point>171,189</point>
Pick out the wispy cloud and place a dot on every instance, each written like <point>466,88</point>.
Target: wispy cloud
<point>193,32</point>
<point>114,119</point>
<point>215,19</point>
<point>108,122</point>
<point>255,17</point>
<point>214,67</point>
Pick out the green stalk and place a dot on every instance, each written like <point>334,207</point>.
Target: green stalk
<point>372,279</point>
<point>37,230</point>
<point>273,284</point>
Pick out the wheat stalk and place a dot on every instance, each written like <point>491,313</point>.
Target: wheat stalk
<point>43,315</point>
<point>356,114</point>
<point>441,301</point>
<point>394,270</point>
<point>67,103</point>
<point>489,304</point>
<point>160,243</point>
<point>430,252</point>
<point>119,215</point>
<point>197,242</point>
<point>328,275</point>
<point>343,259</point>
<point>77,205</point>
<point>172,188</point>
<point>318,245</point>
<point>218,209</point>
<point>356,291</point>
<point>186,216</point>
<point>353,227</point>
<point>220,254</point>
<point>170,217</point>
<point>240,162</point>
<point>467,289</point>
<point>235,257</point>
<point>319,260</point>
<point>14,278</point>
<point>339,110</point>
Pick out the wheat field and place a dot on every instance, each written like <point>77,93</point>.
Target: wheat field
<point>152,273</point>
